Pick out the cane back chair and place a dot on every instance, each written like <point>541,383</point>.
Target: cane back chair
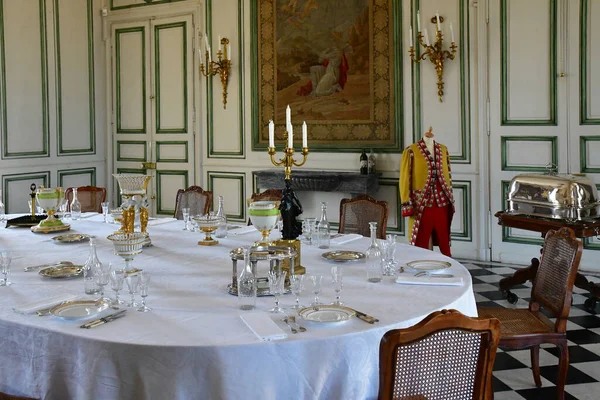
<point>90,197</point>
<point>446,355</point>
<point>552,290</point>
<point>195,198</point>
<point>357,212</point>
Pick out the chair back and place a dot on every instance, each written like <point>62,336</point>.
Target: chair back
<point>446,355</point>
<point>553,284</point>
<point>357,212</point>
<point>90,197</point>
<point>195,198</point>
<point>267,195</point>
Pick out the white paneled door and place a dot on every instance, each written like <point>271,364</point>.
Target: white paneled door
<point>153,112</point>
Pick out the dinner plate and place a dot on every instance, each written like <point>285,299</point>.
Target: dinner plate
<point>71,238</point>
<point>343,256</point>
<point>62,271</point>
<point>79,309</point>
<point>428,265</point>
<point>326,313</point>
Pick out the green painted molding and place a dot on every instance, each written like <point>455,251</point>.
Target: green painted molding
<point>128,171</point>
<point>134,142</point>
<point>118,33</point>
<point>552,101</point>
<point>61,173</point>
<point>44,70</point>
<point>241,177</point>
<point>583,141</point>
<point>506,235</point>
<point>157,29</point>
<point>584,118</point>
<point>6,179</point>
<point>504,152</point>
<point>172,160</point>
<point>159,175</point>
<point>394,182</point>
<point>91,149</point>
<point>152,3</point>
<point>467,208</point>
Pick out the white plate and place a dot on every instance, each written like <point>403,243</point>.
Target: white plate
<point>326,313</point>
<point>79,309</point>
<point>428,265</point>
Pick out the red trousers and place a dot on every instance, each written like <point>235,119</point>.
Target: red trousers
<point>435,222</point>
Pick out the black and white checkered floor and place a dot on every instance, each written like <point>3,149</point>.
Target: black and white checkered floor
<point>512,371</point>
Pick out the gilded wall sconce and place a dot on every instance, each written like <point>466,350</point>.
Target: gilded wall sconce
<point>435,52</point>
<point>222,66</point>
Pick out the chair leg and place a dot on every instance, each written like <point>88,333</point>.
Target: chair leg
<point>535,365</point>
<point>563,366</point>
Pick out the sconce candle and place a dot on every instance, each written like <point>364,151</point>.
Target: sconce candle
<point>410,36</point>
<point>418,22</point>
<point>304,135</point>
<point>437,15</point>
<point>451,32</point>
<point>271,134</point>
<point>427,38</point>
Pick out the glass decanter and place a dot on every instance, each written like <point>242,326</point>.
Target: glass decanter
<point>323,228</point>
<point>246,284</point>
<point>90,269</point>
<point>373,256</point>
<point>75,206</point>
<point>221,231</point>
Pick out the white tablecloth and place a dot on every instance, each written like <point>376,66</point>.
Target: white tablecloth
<point>194,345</point>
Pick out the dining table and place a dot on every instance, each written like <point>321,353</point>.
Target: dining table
<point>194,343</point>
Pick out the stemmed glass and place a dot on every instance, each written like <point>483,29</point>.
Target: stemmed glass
<point>276,281</point>
<point>384,245</point>
<point>5,260</point>
<point>317,281</point>
<point>144,281</point>
<point>133,281</point>
<point>117,277</point>
<point>186,218</point>
<point>309,230</point>
<point>297,284</point>
<point>102,278</point>
<point>337,273</point>
<point>105,205</point>
<point>393,264</point>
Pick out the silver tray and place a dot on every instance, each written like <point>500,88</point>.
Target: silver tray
<point>262,290</point>
<point>341,256</point>
<point>62,272</point>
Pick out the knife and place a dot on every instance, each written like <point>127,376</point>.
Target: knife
<point>365,317</point>
<point>103,320</point>
<point>54,264</point>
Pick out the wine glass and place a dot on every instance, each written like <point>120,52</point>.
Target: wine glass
<point>310,227</point>
<point>337,273</point>
<point>392,251</point>
<point>297,284</point>
<point>5,260</point>
<point>133,281</point>
<point>385,245</point>
<point>276,281</point>
<point>117,277</point>
<point>186,218</point>
<point>102,278</point>
<point>105,205</point>
<point>317,281</point>
<point>144,281</point>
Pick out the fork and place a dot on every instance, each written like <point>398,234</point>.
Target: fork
<point>287,322</point>
<point>300,327</point>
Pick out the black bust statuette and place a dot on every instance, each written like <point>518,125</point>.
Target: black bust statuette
<point>290,208</point>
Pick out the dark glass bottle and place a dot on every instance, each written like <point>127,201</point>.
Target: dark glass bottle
<point>364,163</point>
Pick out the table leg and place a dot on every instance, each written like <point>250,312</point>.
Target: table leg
<point>519,277</point>
<point>594,289</point>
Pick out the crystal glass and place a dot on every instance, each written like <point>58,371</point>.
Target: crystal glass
<point>317,283</point>
<point>310,227</point>
<point>373,257</point>
<point>117,215</point>
<point>276,282</point>
<point>75,206</point>
<point>117,277</point>
<point>264,216</point>
<point>207,223</point>
<point>105,206</point>
<point>5,260</point>
<point>337,273</point>
<point>91,269</point>
<point>384,246</point>
<point>246,283</point>
<point>222,229</point>
<point>102,278</point>
<point>392,263</point>
<point>185,212</point>
<point>127,246</point>
<point>297,284</point>
<point>133,281</point>
<point>323,228</point>
<point>193,225</point>
<point>144,281</point>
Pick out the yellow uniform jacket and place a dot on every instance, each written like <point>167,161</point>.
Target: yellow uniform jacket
<point>418,175</point>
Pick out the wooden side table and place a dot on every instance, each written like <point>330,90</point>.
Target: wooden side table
<point>582,229</point>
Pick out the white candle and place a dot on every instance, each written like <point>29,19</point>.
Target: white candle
<point>418,22</point>
<point>209,56</point>
<point>291,137</point>
<point>426,37</point>
<point>437,14</point>
<point>410,35</point>
<point>452,32</point>
<point>220,46</point>
<point>200,55</point>
<point>288,115</point>
<point>206,45</point>
<point>271,134</point>
<point>304,135</point>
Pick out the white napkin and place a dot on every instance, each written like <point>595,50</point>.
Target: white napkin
<point>345,238</point>
<point>243,230</point>
<point>31,308</point>
<point>159,221</point>
<point>429,280</point>
<point>263,326</point>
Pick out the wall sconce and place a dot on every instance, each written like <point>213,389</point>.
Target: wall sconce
<point>222,66</point>
<point>435,52</point>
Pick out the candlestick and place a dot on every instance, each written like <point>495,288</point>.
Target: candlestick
<point>410,35</point>
<point>271,134</point>
<point>451,32</point>
<point>418,22</point>
<point>304,135</point>
<point>437,15</point>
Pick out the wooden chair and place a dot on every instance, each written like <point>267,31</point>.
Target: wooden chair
<point>552,290</point>
<point>90,197</point>
<point>357,212</point>
<point>446,355</point>
<point>195,198</point>
<point>4,396</point>
<point>267,195</point>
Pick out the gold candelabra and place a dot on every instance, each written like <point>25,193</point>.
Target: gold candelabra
<point>435,53</point>
<point>222,67</point>
<point>288,158</point>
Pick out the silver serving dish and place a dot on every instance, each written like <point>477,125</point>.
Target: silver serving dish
<point>557,196</point>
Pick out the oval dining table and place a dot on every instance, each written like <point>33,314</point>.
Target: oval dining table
<point>193,344</point>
